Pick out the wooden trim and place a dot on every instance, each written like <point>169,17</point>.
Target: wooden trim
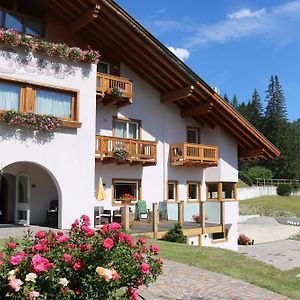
<point>200,109</point>
<point>129,180</point>
<point>195,129</point>
<point>176,191</point>
<point>70,124</point>
<point>129,120</point>
<point>198,183</point>
<point>218,189</point>
<point>177,94</point>
<point>250,154</point>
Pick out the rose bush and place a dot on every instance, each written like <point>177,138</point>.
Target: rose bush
<point>84,264</point>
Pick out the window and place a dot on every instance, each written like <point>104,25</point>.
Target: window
<point>25,16</point>
<point>193,135</point>
<point>212,191</point>
<point>172,191</point>
<point>219,236</point>
<point>194,191</point>
<point>228,190</point>
<point>121,187</point>
<point>103,67</point>
<point>126,128</point>
<point>26,97</point>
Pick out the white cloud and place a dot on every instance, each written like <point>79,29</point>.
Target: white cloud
<point>181,53</point>
<point>246,13</point>
<point>270,22</point>
<point>162,11</point>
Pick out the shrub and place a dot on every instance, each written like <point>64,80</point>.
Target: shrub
<point>244,176</point>
<point>259,172</point>
<point>244,240</point>
<point>284,189</point>
<point>175,235</point>
<point>85,264</point>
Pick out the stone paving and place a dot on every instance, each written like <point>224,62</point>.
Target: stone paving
<point>284,255</point>
<point>180,281</point>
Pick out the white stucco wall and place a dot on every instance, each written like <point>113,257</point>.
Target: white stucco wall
<point>67,154</point>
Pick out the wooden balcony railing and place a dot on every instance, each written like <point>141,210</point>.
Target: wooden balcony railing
<point>138,152</point>
<point>105,85</point>
<point>198,155</point>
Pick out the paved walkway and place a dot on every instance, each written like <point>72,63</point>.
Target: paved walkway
<point>284,255</point>
<point>180,281</point>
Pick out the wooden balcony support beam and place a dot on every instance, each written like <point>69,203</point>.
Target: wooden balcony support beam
<point>85,19</point>
<point>197,110</point>
<point>177,94</point>
<point>250,154</point>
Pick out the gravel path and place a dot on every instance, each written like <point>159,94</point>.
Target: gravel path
<point>180,281</point>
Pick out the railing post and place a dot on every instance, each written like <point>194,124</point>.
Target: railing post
<point>155,220</point>
<point>181,212</point>
<point>126,224</point>
<point>184,151</point>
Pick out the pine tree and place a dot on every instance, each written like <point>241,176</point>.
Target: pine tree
<point>226,98</point>
<point>235,102</point>
<point>256,110</point>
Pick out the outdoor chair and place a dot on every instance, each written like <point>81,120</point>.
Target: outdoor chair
<point>52,214</point>
<point>117,216</point>
<point>102,215</point>
<point>163,210</point>
<point>142,212</point>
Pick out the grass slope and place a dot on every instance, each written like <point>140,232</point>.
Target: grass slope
<point>235,265</point>
<point>267,204</point>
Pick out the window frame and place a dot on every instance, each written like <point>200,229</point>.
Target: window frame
<point>125,180</point>
<point>108,67</point>
<point>24,17</point>
<point>220,191</point>
<point>28,97</point>
<point>198,183</point>
<point>193,128</point>
<point>175,182</point>
<point>127,120</point>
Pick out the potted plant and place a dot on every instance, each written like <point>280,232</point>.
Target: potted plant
<point>197,219</point>
<point>120,153</point>
<point>117,92</point>
<point>127,198</point>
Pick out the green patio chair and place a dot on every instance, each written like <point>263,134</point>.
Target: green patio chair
<point>163,210</point>
<point>142,210</point>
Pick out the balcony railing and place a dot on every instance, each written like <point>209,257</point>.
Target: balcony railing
<point>106,83</point>
<point>137,152</point>
<point>197,155</point>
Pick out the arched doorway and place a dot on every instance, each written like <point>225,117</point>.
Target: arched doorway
<point>3,199</point>
<point>32,195</point>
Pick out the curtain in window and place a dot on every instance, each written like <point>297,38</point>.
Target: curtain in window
<point>132,131</point>
<point>120,128</point>
<point>9,97</point>
<point>54,103</point>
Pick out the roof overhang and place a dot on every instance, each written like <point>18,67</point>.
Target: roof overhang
<point>119,34</point>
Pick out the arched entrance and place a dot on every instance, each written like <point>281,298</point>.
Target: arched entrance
<point>30,195</point>
<point>3,199</point>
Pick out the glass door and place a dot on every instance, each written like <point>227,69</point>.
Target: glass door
<point>22,215</point>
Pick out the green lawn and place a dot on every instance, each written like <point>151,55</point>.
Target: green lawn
<point>271,205</point>
<point>235,265</point>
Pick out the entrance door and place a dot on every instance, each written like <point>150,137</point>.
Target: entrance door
<point>3,200</point>
<point>22,215</point>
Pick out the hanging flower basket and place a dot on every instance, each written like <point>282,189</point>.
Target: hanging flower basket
<point>120,153</point>
<point>127,198</point>
<point>117,93</point>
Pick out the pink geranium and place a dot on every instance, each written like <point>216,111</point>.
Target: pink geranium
<point>67,257</point>
<point>63,239</point>
<point>114,226</point>
<point>142,240</point>
<point>145,268</point>
<point>40,234</point>
<point>108,243</point>
<point>86,220</point>
<point>33,295</point>
<point>39,247</point>
<point>16,284</point>
<point>85,247</point>
<point>78,265</point>
<point>89,231</point>
<point>40,264</point>
<point>154,249</point>
<point>16,259</point>
<point>12,245</point>
<point>133,293</point>
<point>129,239</point>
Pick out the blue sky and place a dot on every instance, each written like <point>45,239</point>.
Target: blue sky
<point>235,45</point>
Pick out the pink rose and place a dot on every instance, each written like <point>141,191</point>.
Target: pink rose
<point>33,294</point>
<point>121,237</point>
<point>39,247</point>
<point>12,245</point>
<point>78,265</point>
<point>114,226</point>
<point>86,220</point>
<point>40,264</point>
<point>63,239</point>
<point>129,240</point>
<point>15,284</point>
<point>67,257</point>
<point>104,229</point>
<point>75,224</point>
<point>85,247</point>
<point>133,293</point>
<point>142,241</point>
<point>71,246</point>
<point>145,268</point>
<point>116,277</point>
<point>89,231</point>
<point>40,234</point>
<point>108,243</point>
<point>16,259</point>
<point>154,249</point>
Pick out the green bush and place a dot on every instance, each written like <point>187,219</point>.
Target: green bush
<point>244,176</point>
<point>259,172</point>
<point>284,189</point>
<point>175,235</point>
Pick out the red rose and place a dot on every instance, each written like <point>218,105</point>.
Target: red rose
<point>145,268</point>
<point>108,243</point>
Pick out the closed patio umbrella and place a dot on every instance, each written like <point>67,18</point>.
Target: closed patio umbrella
<point>100,192</point>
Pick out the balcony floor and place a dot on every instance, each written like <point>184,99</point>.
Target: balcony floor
<point>193,163</point>
<point>130,162</point>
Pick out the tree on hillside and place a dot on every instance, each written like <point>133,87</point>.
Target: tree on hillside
<point>235,102</point>
<point>255,110</point>
<point>226,98</point>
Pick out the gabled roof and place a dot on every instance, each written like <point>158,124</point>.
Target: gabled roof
<point>120,35</point>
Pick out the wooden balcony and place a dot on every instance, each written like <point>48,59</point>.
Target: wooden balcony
<point>106,88</point>
<point>194,155</point>
<point>138,152</point>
